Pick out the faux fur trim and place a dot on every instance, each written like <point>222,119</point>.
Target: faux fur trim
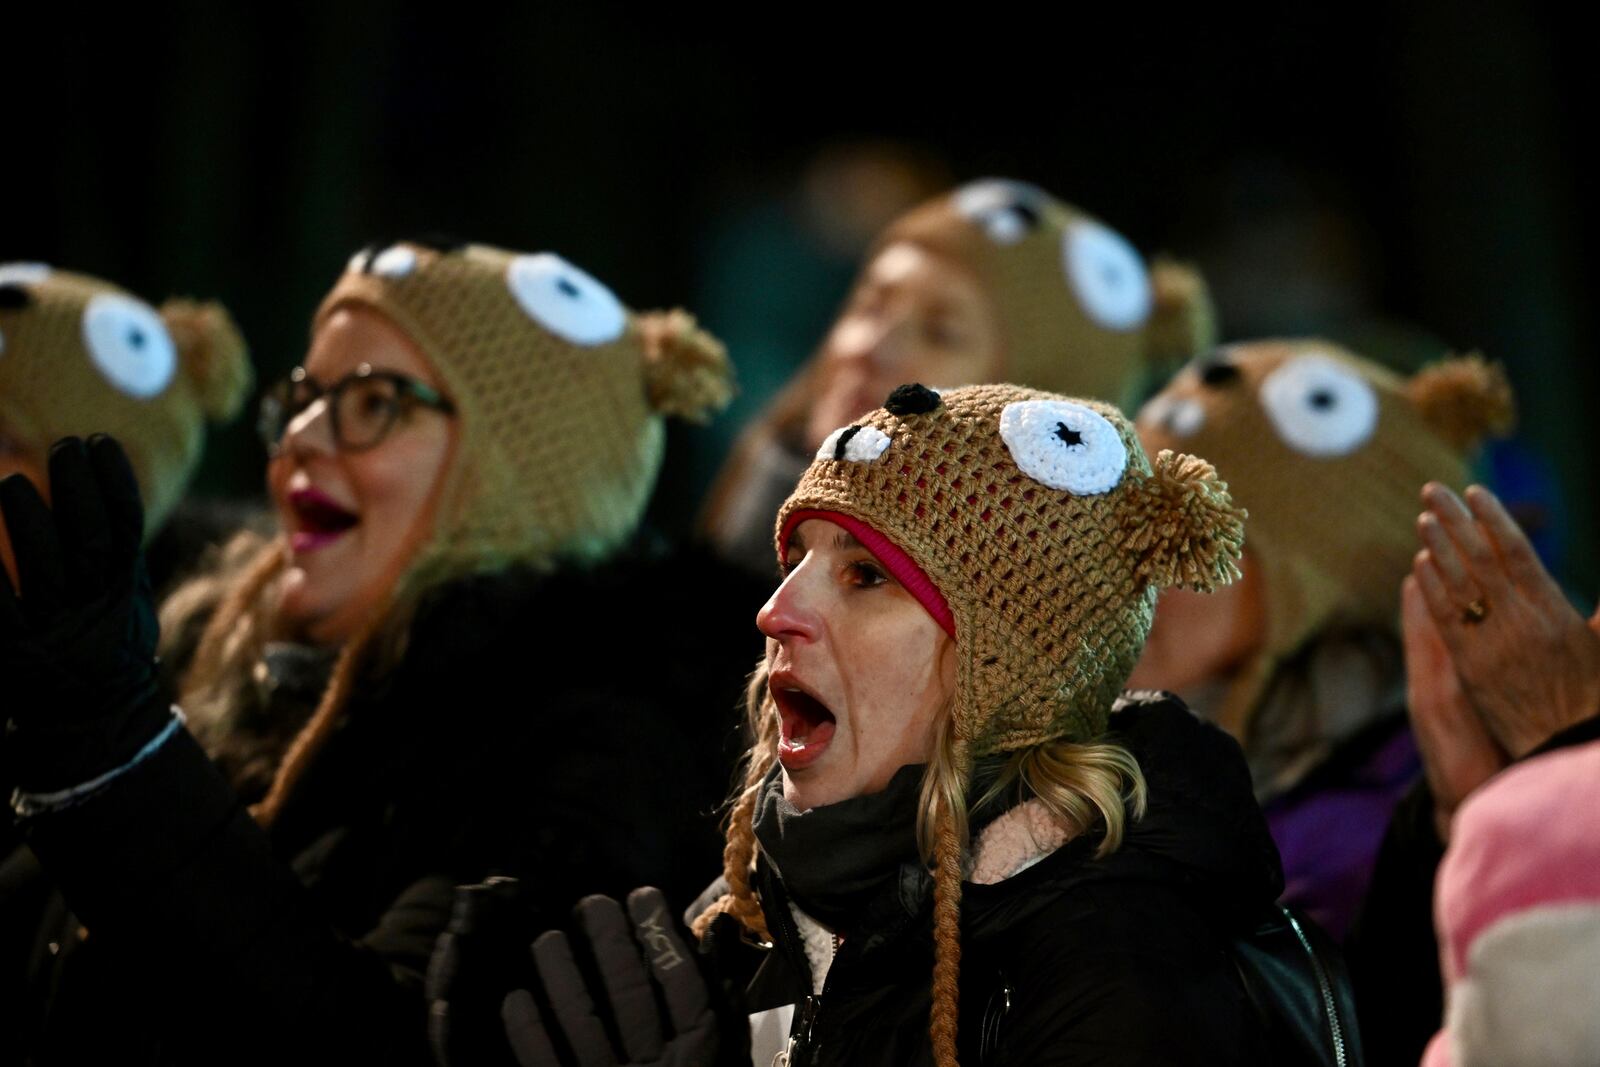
<point>818,943</point>
<point>1014,842</point>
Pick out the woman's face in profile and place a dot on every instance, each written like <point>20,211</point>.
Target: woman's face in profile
<point>914,317</point>
<point>1201,638</point>
<point>354,519</point>
<point>858,670</point>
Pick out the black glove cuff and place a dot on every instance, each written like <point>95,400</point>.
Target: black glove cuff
<point>55,754</point>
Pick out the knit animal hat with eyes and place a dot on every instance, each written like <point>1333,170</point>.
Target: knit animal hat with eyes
<point>1044,530</point>
<point>1329,452</point>
<point>1036,531</point>
<point>560,392</point>
<point>79,356</point>
<point>1080,311</point>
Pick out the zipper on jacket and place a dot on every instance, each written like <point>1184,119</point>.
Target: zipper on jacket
<point>1323,985</point>
<point>994,1014</point>
<point>805,1021</point>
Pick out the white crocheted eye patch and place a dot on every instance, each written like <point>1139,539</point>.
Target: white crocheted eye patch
<point>565,300</point>
<point>1006,211</point>
<point>23,273</point>
<point>1319,406</point>
<point>394,262</point>
<point>1178,416</point>
<point>857,444</point>
<point>129,344</point>
<point>1107,274</point>
<point>1064,445</point>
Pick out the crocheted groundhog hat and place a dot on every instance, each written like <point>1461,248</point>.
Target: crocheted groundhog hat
<point>1329,452</point>
<point>1043,532</point>
<point>79,356</point>
<point>1043,526</point>
<point>1080,312</point>
<point>560,393</point>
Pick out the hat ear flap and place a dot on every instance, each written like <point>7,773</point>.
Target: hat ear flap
<point>687,372</point>
<point>1465,400</point>
<point>1185,528</point>
<point>1183,319</point>
<point>212,353</point>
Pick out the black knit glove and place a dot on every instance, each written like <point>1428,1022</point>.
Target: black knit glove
<point>622,946</point>
<point>635,955</point>
<point>481,954</point>
<point>78,635</point>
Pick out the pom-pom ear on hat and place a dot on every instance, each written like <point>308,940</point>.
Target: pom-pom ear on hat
<point>1183,319</point>
<point>687,373</point>
<point>1464,400</point>
<point>1186,528</point>
<point>213,354</point>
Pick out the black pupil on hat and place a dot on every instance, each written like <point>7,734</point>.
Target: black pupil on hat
<point>1028,215</point>
<point>1323,400</point>
<point>13,296</point>
<point>568,288</point>
<point>912,400</point>
<point>136,337</point>
<point>1069,435</point>
<point>1218,371</point>
<point>844,439</point>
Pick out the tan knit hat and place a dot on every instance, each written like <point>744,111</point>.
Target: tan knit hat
<point>80,356</point>
<point>1329,452</point>
<point>1079,310</point>
<point>1046,532</point>
<point>561,392</point>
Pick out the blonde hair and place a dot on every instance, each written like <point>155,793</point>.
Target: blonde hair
<point>222,684</point>
<point>1087,786</point>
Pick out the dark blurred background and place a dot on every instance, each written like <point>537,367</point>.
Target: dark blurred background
<point>1407,178</point>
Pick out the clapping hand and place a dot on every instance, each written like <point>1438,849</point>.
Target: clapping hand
<point>1458,752</point>
<point>78,629</point>
<point>1528,663</point>
<point>629,952</point>
<point>642,964</point>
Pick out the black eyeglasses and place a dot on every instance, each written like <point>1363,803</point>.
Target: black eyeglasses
<point>362,407</point>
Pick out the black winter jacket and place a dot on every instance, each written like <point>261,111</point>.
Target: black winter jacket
<point>1393,949</point>
<point>1111,962</point>
<point>548,728</point>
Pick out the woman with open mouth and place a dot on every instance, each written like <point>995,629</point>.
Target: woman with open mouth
<point>456,469</point>
<point>955,841</point>
<point>944,783</point>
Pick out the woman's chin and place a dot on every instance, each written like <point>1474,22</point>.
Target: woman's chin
<point>813,787</point>
<point>305,607</point>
